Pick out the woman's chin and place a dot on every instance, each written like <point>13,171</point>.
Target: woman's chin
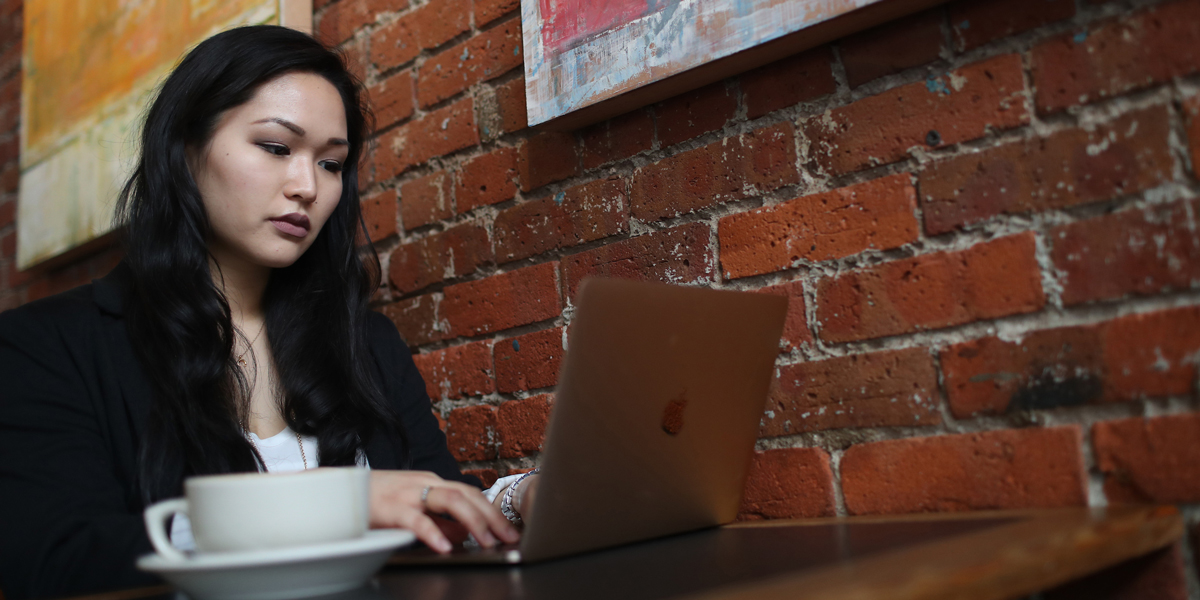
<point>279,260</point>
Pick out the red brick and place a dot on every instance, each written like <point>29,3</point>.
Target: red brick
<point>341,20</point>
<point>426,200</point>
<point>987,281</point>
<point>487,11</point>
<point>1016,468</point>
<point>1139,252</point>
<point>486,56</point>
<point>510,100</point>
<point>786,82</point>
<point>502,301</point>
<point>8,245</point>
<point>961,106</point>
<point>795,327</point>
<point>10,61</point>
<point>8,213</point>
<point>458,371</point>
<point>521,425</point>
<point>438,133</point>
<point>415,318</point>
<point>487,476</point>
<point>1153,354</point>
<point>1118,56</point>
<point>10,149</point>
<point>790,483</point>
<point>977,22</point>
<point>453,253</point>
<point>426,27</point>
<point>17,277</point>
<point>1067,168</point>
<point>10,105</point>
<point>881,389</point>
<point>577,215</point>
<point>469,433</point>
<point>902,44</point>
<point>487,179</point>
<point>695,113</point>
<point>1191,110</point>
<point>1150,460</point>
<point>617,138</point>
<point>379,212</point>
<point>1155,576</point>
<point>679,255</point>
<point>392,99</point>
<point>394,44</point>
<point>731,169</point>
<point>1138,356</point>
<point>876,215</point>
<point>530,361</point>
<point>12,24</point>
<point>546,158</point>
<point>37,288</point>
<point>1044,370</point>
<point>10,178</point>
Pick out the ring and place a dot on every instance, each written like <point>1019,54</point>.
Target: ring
<point>425,496</point>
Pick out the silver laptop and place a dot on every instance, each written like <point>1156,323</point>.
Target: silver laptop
<point>654,420</point>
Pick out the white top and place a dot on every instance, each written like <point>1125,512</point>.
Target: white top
<point>281,454</point>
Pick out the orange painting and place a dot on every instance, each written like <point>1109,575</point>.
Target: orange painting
<point>89,68</point>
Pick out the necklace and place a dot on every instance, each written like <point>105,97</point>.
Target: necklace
<point>241,359</point>
<point>299,442</point>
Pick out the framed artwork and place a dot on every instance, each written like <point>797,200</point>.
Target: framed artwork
<point>88,69</point>
<point>586,61</point>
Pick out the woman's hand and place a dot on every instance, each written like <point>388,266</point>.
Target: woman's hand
<point>396,502</point>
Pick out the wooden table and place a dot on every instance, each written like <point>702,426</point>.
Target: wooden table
<point>983,555</point>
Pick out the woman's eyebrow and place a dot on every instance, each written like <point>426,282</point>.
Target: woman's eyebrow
<point>294,128</point>
<point>298,130</point>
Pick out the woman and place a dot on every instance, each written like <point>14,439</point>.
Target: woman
<point>235,336</point>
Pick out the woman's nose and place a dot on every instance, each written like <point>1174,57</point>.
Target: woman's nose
<point>302,181</point>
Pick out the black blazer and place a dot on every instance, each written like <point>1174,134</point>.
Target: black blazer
<point>73,406</point>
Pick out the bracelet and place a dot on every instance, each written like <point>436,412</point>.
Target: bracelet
<point>506,506</point>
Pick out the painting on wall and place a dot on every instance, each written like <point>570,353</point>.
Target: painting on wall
<point>586,61</point>
<point>89,67</point>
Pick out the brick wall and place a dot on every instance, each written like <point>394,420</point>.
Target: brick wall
<point>984,216</point>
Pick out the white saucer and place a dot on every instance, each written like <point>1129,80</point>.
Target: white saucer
<point>282,573</point>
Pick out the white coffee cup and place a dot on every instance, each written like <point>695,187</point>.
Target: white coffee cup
<point>256,511</point>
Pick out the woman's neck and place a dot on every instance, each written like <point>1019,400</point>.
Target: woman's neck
<point>243,285</point>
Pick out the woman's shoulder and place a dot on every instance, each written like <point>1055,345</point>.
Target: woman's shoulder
<point>383,336</point>
<point>67,310</point>
<point>72,311</point>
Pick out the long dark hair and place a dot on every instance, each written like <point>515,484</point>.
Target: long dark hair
<point>180,322</point>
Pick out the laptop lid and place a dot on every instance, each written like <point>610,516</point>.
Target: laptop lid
<point>655,416</point>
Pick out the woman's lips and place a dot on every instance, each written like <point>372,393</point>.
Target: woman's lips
<point>294,224</point>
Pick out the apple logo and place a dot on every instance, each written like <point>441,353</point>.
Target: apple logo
<point>672,420</point>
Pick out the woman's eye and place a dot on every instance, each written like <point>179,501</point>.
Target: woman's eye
<point>332,166</point>
<point>276,149</point>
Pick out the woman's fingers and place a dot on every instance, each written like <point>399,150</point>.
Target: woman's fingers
<point>472,510</point>
<point>399,499</point>
<point>427,531</point>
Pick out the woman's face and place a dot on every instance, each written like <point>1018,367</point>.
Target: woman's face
<point>272,173</point>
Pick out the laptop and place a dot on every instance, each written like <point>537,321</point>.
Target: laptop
<point>655,416</point>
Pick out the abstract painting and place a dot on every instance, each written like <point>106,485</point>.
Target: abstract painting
<point>89,68</point>
<point>582,53</point>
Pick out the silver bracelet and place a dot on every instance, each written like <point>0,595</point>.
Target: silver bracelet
<point>506,506</point>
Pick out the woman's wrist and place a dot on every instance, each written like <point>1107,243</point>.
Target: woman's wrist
<point>510,505</point>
